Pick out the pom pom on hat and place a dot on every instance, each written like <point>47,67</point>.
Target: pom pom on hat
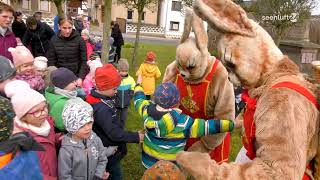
<point>76,113</point>
<point>23,98</point>
<point>40,63</point>
<point>93,65</point>
<point>21,55</point>
<point>150,57</point>
<point>107,77</point>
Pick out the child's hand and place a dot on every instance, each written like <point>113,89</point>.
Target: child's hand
<point>105,175</point>
<point>141,135</point>
<point>79,82</point>
<point>139,80</point>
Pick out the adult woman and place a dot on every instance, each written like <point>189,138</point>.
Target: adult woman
<point>68,49</point>
<point>38,35</point>
<point>118,40</point>
<point>18,26</point>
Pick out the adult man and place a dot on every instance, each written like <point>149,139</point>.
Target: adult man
<point>7,38</point>
<point>38,34</point>
<point>38,15</point>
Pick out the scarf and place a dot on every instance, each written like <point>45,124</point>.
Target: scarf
<point>65,93</point>
<point>43,130</point>
<point>20,141</point>
<point>3,31</point>
<point>34,80</point>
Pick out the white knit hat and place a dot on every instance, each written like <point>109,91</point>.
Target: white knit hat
<point>76,113</point>
<point>93,65</point>
<point>23,98</point>
<point>40,63</point>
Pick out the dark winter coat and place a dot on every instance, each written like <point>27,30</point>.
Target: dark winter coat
<point>38,39</point>
<point>7,41</point>
<point>70,52</point>
<point>78,25</point>
<point>108,126</point>
<point>19,28</point>
<point>117,36</point>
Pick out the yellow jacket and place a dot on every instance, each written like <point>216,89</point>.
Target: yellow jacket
<point>149,72</point>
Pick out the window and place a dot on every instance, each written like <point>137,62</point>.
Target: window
<point>176,6</point>
<point>5,1</point>
<point>143,16</point>
<point>130,14</point>
<point>44,5</point>
<point>174,26</point>
<point>26,4</point>
<point>308,57</point>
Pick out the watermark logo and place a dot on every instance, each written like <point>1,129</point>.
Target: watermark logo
<point>293,17</point>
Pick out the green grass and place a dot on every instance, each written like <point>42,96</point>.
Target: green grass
<point>132,167</point>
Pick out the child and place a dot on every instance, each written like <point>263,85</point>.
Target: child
<point>106,123</point>
<point>23,61</point>
<point>166,128</point>
<point>85,36</point>
<point>88,81</point>
<point>149,72</point>
<point>7,73</point>
<point>77,116</point>
<point>40,65</point>
<point>32,117</point>
<point>16,158</point>
<point>125,90</point>
<point>64,88</point>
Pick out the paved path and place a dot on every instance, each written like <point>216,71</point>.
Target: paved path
<point>145,39</point>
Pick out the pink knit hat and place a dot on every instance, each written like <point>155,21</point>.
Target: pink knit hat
<point>23,98</point>
<point>21,55</point>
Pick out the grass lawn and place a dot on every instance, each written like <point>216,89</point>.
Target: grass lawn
<point>132,166</point>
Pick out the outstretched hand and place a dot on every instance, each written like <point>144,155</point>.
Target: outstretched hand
<point>141,135</point>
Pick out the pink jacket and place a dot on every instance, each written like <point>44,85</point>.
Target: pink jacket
<point>34,80</point>
<point>87,84</point>
<point>90,48</point>
<point>48,158</point>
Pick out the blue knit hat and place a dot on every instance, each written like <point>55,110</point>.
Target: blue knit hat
<point>167,95</point>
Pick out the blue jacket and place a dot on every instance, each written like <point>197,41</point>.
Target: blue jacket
<point>56,24</point>
<point>108,126</point>
<point>24,166</point>
<point>125,92</point>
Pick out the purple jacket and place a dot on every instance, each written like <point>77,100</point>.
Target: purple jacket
<point>7,41</point>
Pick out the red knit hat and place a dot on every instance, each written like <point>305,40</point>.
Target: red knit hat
<point>107,77</point>
<point>151,57</point>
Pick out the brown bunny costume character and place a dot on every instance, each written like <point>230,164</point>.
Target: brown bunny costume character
<point>281,118</point>
<point>205,91</point>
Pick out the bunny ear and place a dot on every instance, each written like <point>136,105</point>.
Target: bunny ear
<point>225,16</point>
<point>187,24</point>
<point>200,34</point>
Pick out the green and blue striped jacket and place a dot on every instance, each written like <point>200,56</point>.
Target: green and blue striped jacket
<point>167,136</point>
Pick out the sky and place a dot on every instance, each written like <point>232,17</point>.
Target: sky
<point>316,10</point>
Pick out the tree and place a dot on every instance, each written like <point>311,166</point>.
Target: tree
<point>139,5</point>
<point>58,4</point>
<point>280,15</point>
<point>106,30</point>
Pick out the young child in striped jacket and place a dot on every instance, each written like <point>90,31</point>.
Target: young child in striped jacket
<point>166,128</point>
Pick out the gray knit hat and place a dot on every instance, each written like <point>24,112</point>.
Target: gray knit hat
<point>76,113</point>
<point>7,69</point>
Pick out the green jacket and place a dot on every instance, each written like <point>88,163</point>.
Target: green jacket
<point>56,105</point>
